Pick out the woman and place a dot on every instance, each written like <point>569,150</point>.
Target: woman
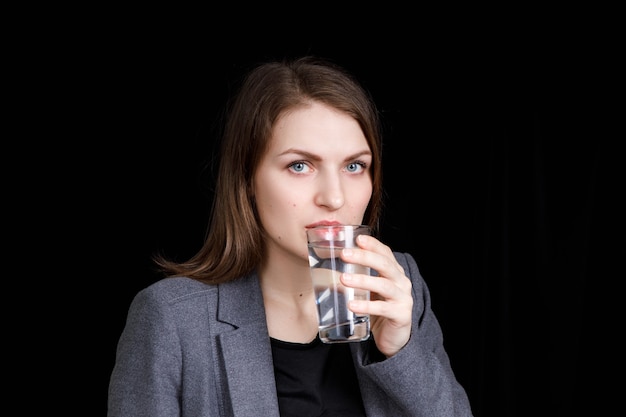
<point>233,331</point>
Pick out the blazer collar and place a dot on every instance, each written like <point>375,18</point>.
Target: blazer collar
<point>241,301</point>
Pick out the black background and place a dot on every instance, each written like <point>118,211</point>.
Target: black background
<point>502,179</point>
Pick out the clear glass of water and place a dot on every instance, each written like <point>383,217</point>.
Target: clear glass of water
<point>337,323</point>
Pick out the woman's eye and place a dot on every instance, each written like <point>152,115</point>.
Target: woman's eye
<point>298,167</point>
<point>355,167</point>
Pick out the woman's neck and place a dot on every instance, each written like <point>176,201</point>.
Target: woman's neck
<point>289,303</point>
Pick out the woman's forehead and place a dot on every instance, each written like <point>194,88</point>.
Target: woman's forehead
<point>316,124</point>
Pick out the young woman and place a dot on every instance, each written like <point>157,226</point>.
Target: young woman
<point>233,330</point>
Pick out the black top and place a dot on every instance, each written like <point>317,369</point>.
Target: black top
<point>316,380</point>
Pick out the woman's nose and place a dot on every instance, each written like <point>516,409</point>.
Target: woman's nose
<point>330,194</point>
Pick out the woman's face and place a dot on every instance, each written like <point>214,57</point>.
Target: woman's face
<point>315,171</point>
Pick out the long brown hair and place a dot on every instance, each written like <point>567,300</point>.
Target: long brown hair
<point>233,246</point>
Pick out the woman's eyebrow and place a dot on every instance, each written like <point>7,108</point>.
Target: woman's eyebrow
<point>300,152</point>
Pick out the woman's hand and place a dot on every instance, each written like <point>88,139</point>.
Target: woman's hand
<point>391,299</point>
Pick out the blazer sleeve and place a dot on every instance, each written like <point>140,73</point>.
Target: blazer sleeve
<point>418,380</point>
<point>144,380</point>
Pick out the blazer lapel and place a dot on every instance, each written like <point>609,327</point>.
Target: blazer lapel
<point>246,349</point>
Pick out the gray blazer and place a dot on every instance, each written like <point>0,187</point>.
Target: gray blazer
<point>190,349</point>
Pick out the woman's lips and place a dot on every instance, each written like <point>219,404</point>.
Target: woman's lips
<point>323,223</point>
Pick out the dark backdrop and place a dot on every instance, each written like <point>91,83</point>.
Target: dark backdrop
<point>500,179</point>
